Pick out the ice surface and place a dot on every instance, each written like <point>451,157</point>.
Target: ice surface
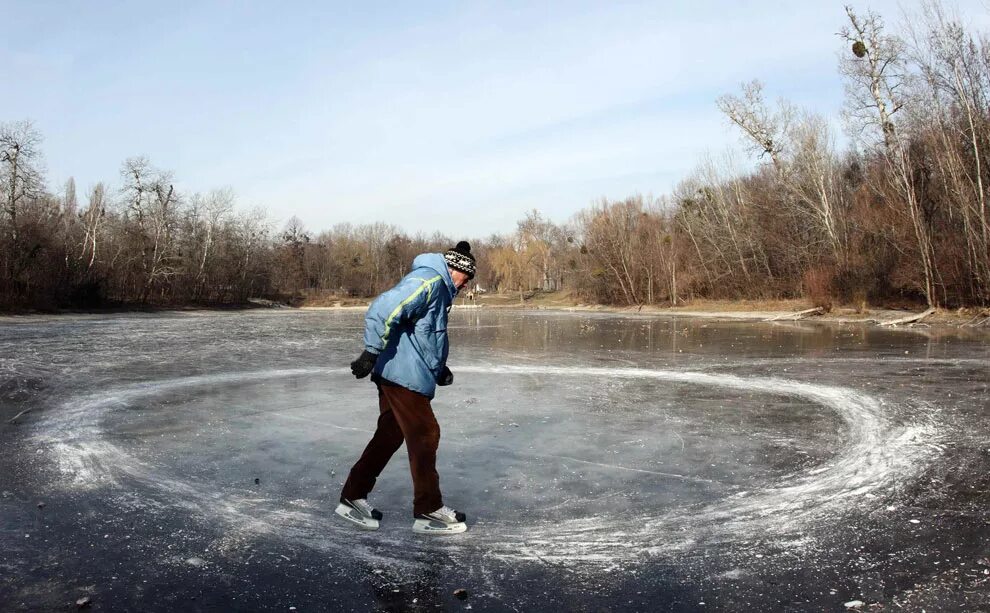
<point>572,440</point>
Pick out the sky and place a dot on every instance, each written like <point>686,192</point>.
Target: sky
<point>454,117</point>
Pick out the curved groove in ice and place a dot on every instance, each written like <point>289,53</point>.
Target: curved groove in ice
<point>879,456</point>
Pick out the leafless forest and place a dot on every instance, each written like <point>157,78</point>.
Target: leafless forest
<point>900,214</point>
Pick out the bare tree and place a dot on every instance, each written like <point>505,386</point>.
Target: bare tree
<point>20,168</point>
<point>813,181</point>
<point>251,236</point>
<point>955,67</point>
<point>92,219</point>
<point>765,129</point>
<point>658,253</point>
<point>294,241</point>
<point>216,206</point>
<point>511,264</point>
<point>69,201</point>
<point>152,202</point>
<point>876,79</point>
<point>610,235</point>
<point>543,242</point>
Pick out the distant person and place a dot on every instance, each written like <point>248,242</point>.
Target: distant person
<point>405,351</point>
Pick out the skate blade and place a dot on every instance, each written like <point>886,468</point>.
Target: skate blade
<point>426,526</point>
<point>356,518</point>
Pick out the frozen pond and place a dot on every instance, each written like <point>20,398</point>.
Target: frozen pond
<point>605,463</point>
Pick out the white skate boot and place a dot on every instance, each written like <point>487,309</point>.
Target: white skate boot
<point>359,513</point>
<point>442,521</point>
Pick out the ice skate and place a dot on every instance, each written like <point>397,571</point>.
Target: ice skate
<point>359,513</point>
<point>442,521</point>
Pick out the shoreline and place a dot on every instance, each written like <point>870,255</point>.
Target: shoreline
<point>741,310</point>
<point>777,311</point>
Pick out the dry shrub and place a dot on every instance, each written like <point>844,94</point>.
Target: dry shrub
<point>817,286</point>
<point>859,301</point>
<point>853,285</point>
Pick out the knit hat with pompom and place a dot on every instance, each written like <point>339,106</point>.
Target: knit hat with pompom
<point>460,258</point>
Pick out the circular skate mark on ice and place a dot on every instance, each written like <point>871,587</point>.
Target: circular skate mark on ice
<point>877,456</point>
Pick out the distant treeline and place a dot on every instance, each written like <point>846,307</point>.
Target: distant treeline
<point>902,214</point>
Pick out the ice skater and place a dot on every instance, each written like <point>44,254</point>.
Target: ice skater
<point>405,351</point>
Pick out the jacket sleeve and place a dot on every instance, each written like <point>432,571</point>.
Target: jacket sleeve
<point>407,301</point>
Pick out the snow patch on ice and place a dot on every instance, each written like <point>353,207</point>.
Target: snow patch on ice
<point>83,463</point>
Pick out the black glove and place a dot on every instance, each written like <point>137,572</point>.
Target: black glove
<point>362,366</point>
<point>446,377</point>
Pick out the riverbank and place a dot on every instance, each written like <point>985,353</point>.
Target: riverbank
<point>798,311</point>
<point>726,310</point>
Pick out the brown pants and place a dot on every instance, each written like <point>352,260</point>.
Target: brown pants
<point>405,415</point>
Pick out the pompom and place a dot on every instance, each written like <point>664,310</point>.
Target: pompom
<point>463,246</point>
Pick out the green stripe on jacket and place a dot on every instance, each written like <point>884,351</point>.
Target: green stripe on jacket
<point>426,284</point>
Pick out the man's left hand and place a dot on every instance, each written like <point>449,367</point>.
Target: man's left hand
<point>446,377</point>
<point>363,366</point>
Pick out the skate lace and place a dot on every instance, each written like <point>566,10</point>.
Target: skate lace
<point>363,505</point>
<point>446,511</point>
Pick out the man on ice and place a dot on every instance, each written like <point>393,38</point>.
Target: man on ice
<point>405,351</point>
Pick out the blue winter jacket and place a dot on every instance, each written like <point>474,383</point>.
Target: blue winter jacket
<point>407,326</point>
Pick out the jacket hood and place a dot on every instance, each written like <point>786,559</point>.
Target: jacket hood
<point>435,261</point>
